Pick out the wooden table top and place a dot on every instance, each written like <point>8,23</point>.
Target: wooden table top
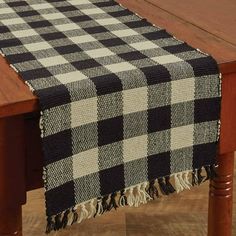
<point>205,24</point>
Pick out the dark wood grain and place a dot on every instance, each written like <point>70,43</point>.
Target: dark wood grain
<point>221,198</point>
<point>228,114</point>
<point>12,175</point>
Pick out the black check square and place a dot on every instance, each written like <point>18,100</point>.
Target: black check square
<point>72,48</point>
<point>96,30</point>
<point>63,195</point>
<point>156,74</point>
<point>110,130</point>
<point>85,64</point>
<point>112,179</point>
<point>81,18</point>
<point>53,36</point>
<point>18,4</point>
<point>204,154</point>
<point>130,56</point>
<point>40,24</point>
<point>159,164</point>
<point>206,110</point>
<point>28,13</point>
<point>159,119</point>
<point>112,42</point>
<point>157,35</point>
<point>106,84</point>
<point>66,8</point>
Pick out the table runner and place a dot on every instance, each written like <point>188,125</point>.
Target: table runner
<point>128,112</point>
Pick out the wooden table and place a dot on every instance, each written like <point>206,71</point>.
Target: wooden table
<point>205,24</point>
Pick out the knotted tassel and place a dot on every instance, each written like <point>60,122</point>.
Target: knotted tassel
<point>50,225</point>
<point>186,179</point>
<point>92,209</point>
<point>137,196</point>
<point>208,172</point>
<point>152,190</point>
<point>178,184</point>
<point>75,215</point>
<point>83,213</point>
<point>65,219</point>
<point>199,176</point>
<point>99,208</point>
<point>163,187</point>
<point>112,204</point>
<point>194,178</point>
<point>123,199</point>
<point>169,185</point>
<point>58,223</point>
<point>104,203</point>
<point>130,197</point>
<point>145,197</point>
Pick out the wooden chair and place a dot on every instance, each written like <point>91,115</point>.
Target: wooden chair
<point>20,148</point>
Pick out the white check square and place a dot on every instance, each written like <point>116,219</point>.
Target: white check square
<point>82,39</point>
<point>144,45</point>
<point>124,33</point>
<point>182,137</point>
<point>6,10</point>
<point>80,2</point>
<point>70,77</point>
<point>135,148</point>
<point>53,61</point>
<point>67,27</point>
<point>166,59</point>
<point>119,67</point>
<point>32,47</point>
<point>135,100</point>
<point>108,21</point>
<point>92,11</point>
<point>41,6</point>
<point>53,16</point>
<point>85,163</point>
<point>13,21</point>
<point>101,52</point>
<point>182,90</point>
<point>84,112</point>
<point>24,33</point>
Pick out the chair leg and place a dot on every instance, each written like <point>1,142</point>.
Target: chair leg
<point>12,175</point>
<point>11,221</point>
<point>221,198</point>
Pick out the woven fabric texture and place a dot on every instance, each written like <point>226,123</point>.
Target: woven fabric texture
<point>122,101</point>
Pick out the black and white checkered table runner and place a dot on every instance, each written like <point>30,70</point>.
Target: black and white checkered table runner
<point>124,105</point>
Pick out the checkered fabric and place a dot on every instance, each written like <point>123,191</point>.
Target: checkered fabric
<point>123,102</point>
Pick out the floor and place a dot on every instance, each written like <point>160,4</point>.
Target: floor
<point>184,214</point>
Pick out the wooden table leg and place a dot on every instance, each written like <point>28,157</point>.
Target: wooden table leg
<point>12,175</point>
<point>221,198</point>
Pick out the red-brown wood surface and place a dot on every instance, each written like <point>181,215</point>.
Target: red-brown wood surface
<point>12,174</point>
<point>200,37</point>
<point>228,114</point>
<point>15,97</point>
<point>210,15</point>
<point>221,198</point>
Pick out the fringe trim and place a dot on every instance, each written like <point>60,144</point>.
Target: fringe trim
<point>133,196</point>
